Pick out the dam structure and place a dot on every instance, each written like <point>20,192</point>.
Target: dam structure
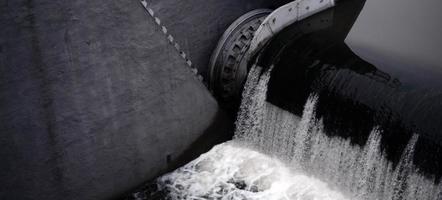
<point>322,114</point>
<point>211,99</point>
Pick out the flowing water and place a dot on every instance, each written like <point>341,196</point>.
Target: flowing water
<point>277,155</point>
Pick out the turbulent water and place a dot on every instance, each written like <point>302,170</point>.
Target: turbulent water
<point>230,171</point>
<point>277,155</point>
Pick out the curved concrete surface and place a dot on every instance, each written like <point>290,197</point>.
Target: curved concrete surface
<point>93,100</point>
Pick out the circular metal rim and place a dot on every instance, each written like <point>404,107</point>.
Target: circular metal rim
<point>226,35</point>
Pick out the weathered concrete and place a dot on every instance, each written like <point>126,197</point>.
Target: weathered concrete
<point>198,24</point>
<point>93,100</point>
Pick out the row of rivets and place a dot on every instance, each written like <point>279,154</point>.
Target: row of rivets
<point>171,40</point>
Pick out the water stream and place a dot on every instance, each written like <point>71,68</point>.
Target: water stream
<point>277,155</point>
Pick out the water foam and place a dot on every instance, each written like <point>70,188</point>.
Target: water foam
<point>230,171</point>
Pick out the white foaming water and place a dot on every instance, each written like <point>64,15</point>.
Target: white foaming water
<point>277,155</point>
<point>230,171</point>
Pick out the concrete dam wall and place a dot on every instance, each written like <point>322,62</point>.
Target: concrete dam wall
<point>93,100</point>
<point>98,97</point>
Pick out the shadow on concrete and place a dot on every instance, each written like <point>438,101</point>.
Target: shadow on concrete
<point>221,130</point>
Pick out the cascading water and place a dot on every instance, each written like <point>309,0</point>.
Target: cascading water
<point>277,155</point>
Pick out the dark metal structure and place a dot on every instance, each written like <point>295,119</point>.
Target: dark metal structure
<point>226,75</point>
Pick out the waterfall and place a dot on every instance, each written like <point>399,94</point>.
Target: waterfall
<point>277,155</point>
<point>362,172</point>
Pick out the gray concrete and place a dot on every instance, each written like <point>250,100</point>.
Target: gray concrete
<point>198,24</point>
<point>92,100</point>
